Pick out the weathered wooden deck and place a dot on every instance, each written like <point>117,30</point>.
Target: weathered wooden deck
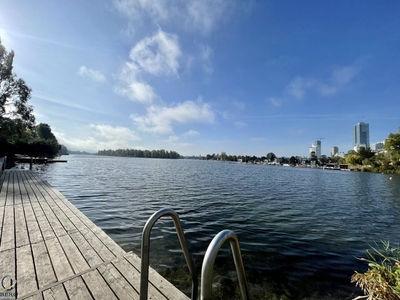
<point>50,250</point>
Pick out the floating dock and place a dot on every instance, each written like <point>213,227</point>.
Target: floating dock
<point>50,250</point>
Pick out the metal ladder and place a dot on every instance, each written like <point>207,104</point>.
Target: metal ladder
<point>208,262</point>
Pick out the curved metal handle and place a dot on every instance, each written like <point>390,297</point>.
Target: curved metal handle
<point>209,259</point>
<point>144,273</point>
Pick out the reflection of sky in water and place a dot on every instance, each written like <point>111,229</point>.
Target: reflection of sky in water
<point>298,228</point>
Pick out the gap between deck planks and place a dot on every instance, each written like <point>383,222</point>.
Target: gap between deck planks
<point>51,250</point>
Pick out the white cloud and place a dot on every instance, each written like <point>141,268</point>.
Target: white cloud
<point>239,105</point>
<point>298,87</point>
<point>160,119</point>
<point>339,79</point>
<point>190,133</point>
<point>109,132</point>
<point>194,15</point>
<point>274,101</point>
<point>172,139</point>
<point>157,54</point>
<point>133,87</point>
<point>205,54</point>
<point>99,137</point>
<point>93,74</point>
<point>137,91</point>
<point>240,124</point>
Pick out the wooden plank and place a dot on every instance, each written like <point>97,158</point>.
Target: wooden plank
<point>44,225</point>
<point>25,196</point>
<point>53,220</point>
<point>76,289</point>
<point>7,265</point>
<point>118,283</point>
<point>7,235</point>
<point>15,189</point>
<point>133,276</point>
<point>56,292</point>
<point>26,276</point>
<point>35,297</point>
<point>37,214</point>
<point>21,231</point>
<point>60,263</point>
<point>97,286</point>
<point>101,249</point>
<point>48,212</point>
<point>35,235</point>
<point>160,283</point>
<point>88,252</point>
<point>44,269</point>
<point>75,257</point>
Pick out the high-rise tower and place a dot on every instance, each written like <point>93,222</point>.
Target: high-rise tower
<point>334,151</point>
<point>361,135</point>
<point>316,148</point>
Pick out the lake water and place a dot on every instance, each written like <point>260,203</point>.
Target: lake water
<point>300,230</point>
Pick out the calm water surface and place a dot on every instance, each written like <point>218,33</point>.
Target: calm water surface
<point>300,230</point>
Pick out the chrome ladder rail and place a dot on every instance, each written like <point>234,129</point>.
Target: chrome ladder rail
<point>144,273</point>
<point>208,264</point>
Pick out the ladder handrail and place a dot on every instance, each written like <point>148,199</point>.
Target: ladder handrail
<point>144,273</point>
<point>208,264</point>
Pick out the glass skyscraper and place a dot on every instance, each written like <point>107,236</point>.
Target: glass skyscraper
<point>361,135</point>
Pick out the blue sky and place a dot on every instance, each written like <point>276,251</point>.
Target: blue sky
<point>205,76</point>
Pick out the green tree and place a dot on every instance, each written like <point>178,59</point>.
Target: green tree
<point>271,156</point>
<point>353,159</point>
<point>43,131</point>
<point>223,155</point>
<point>313,156</point>
<point>365,153</point>
<point>392,145</point>
<point>323,159</point>
<point>15,114</point>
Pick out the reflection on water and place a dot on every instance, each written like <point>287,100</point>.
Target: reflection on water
<point>299,229</point>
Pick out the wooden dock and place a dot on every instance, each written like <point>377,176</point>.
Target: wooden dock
<point>50,250</point>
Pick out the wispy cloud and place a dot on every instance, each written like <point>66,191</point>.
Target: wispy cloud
<point>157,55</point>
<point>100,136</point>
<point>190,133</point>
<point>205,54</point>
<point>240,124</point>
<point>159,119</point>
<point>64,102</point>
<point>175,141</point>
<point>274,101</point>
<point>239,105</point>
<point>132,87</point>
<point>196,15</point>
<point>92,74</point>
<point>338,81</point>
<point>109,132</point>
